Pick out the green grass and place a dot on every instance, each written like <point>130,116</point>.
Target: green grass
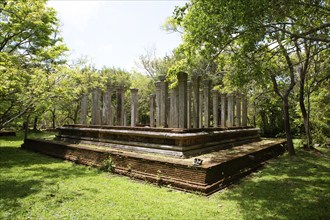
<point>34,186</point>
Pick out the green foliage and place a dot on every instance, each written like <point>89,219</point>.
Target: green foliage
<point>153,66</point>
<point>146,87</point>
<point>320,120</point>
<point>30,55</point>
<point>36,186</point>
<point>263,43</point>
<point>115,77</point>
<point>108,165</point>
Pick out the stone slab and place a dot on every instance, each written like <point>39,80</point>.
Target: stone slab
<point>171,142</point>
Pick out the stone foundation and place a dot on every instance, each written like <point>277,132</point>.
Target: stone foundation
<point>218,169</point>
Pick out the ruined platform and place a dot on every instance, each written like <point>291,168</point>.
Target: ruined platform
<point>218,169</point>
<point>165,141</point>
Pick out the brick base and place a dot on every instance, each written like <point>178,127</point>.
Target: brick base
<point>217,170</point>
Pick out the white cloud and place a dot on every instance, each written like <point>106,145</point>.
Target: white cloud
<point>106,48</point>
<point>76,14</point>
<point>114,33</point>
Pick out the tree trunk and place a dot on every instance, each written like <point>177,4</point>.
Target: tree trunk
<point>306,120</point>
<point>287,126</point>
<point>35,123</point>
<point>254,114</point>
<point>53,118</point>
<point>303,108</point>
<point>26,126</point>
<point>75,117</point>
<point>285,99</point>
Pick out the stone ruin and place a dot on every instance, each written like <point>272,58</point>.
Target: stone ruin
<point>186,106</point>
<point>192,147</point>
<point>180,120</point>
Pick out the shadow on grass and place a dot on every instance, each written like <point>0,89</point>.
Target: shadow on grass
<point>16,157</point>
<point>12,190</point>
<point>286,189</point>
<point>12,155</point>
<point>27,174</point>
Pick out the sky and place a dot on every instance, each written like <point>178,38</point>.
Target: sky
<point>115,33</point>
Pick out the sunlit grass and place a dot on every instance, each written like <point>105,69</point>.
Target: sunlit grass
<point>40,187</point>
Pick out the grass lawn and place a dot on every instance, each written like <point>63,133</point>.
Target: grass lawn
<point>35,186</point>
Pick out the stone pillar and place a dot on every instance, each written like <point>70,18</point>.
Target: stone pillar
<point>96,104</point>
<point>207,103</point>
<point>238,110</point>
<point>107,110</point>
<point>125,118</point>
<point>163,101</point>
<point>134,107</point>
<point>168,103</point>
<point>223,110</point>
<point>182,87</point>
<point>158,94</point>
<point>174,108</point>
<point>189,104</point>
<point>200,116</point>
<point>113,117</point>
<point>104,109</point>
<point>234,108</point>
<point>215,107</point>
<point>152,111</point>
<point>120,105</point>
<point>170,111</point>
<point>244,111</point>
<point>84,109</point>
<point>196,104</point>
<point>230,115</point>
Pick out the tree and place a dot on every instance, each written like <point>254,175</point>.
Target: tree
<point>76,80</point>
<point>152,65</point>
<point>146,87</point>
<point>269,35</point>
<point>314,77</point>
<point>30,53</point>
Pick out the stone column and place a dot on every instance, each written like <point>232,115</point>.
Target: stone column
<point>234,109</point>
<point>96,111</point>
<point>207,104</point>
<point>182,87</point>
<point>125,118</point>
<point>230,115</point>
<point>196,104</point>
<point>158,94</point>
<point>152,111</point>
<point>174,108</point>
<point>215,107</point>
<point>107,110</point>
<point>134,107</point>
<point>200,116</point>
<point>244,111</point>
<point>168,103</point>
<point>84,109</point>
<point>188,104</point>
<point>170,111</point>
<point>163,100</point>
<point>223,110</point>
<point>238,110</point>
<point>113,117</point>
<point>120,105</point>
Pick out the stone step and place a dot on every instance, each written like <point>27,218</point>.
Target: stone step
<point>171,142</point>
